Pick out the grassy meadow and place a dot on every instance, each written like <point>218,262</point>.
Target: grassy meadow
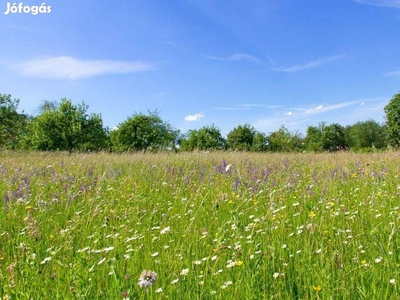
<point>205,225</point>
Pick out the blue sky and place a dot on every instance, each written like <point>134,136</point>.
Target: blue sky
<point>202,62</point>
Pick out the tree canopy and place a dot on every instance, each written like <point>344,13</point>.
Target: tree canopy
<point>392,111</point>
<point>12,123</point>
<point>241,138</point>
<point>284,141</point>
<point>205,138</point>
<point>65,126</point>
<point>325,137</point>
<point>144,132</point>
<point>366,134</point>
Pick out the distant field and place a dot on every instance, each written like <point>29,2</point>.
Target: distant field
<point>209,225</point>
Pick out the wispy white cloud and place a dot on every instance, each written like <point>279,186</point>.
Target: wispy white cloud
<point>314,110</point>
<point>394,74</point>
<point>386,3</point>
<point>195,117</point>
<point>231,108</point>
<point>259,105</point>
<point>310,65</point>
<point>356,110</point>
<point>65,67</point>
<point>322,109</point>
<point>247,107</point>
<point>236,57</point>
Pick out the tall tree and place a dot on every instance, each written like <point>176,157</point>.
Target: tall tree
<point>51,105</point>
<point>205,138</point>
<point>144,132</point>
<point>392,111</point>
<point>241,137</point>
<point>12,123</point>
<point>366,134</point>
<point>333,138</point>
<point>313,140</point>
<point>284,141</point>
<point>260,142</point>
<point>68,127</point>
<point>325,137</point>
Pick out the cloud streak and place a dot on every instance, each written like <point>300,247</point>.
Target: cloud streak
<point>259,105</point>
<point>307,115</point>
<point>310,65</point>
<point>322,109</point>
<point>65,67</point>
<point>195,117</point>
<point>231,108</point>
<point>384,3</point>
<point>394,74</point>
<point>236,57</point>
<point>247,107</point>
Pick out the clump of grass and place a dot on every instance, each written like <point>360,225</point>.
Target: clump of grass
<point>209,225</point>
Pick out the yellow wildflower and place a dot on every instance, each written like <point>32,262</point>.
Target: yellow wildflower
<point>239,263</point>
<point>317,288</point>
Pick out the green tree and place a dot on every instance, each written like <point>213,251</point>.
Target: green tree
<point>241,138</point>
<point>313,140</point>
<point>367,134</point>
<point>333,137</point>
<point>284,141</point>
<point>65,126</point>
<point>205,138</point>
<point>392,111</point>
<point>260,142</point>
<point>12,123</point>
<point>47,105</point>
<point>325,137</point>
<point>144,132</point>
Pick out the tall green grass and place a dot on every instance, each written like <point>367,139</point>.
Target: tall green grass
<point>210,225</point>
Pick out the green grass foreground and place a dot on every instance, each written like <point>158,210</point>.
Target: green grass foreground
<point>210,225</point>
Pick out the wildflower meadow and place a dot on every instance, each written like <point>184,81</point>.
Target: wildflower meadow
<point>224,225</point>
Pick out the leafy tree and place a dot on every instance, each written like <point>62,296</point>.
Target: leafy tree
<point>205,138</point>
<point>284,141</point>
<point>260,142</point>
<point>12,124</point>
<point>333,138</point>
<point>143,132</point>
<point>365,134</point>
<point>392,111</point>
<point>47,105</point>
<point>313,140</point>
<point>241,138</point>
<point>323,137</point>
<point>68,127</point>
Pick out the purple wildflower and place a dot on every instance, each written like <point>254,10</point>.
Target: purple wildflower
<point>6,199</point>
<point>235,184</point>
<point>147,278</point>
<point>224,164</point>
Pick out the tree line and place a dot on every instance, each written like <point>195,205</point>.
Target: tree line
<point>63,126</point>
